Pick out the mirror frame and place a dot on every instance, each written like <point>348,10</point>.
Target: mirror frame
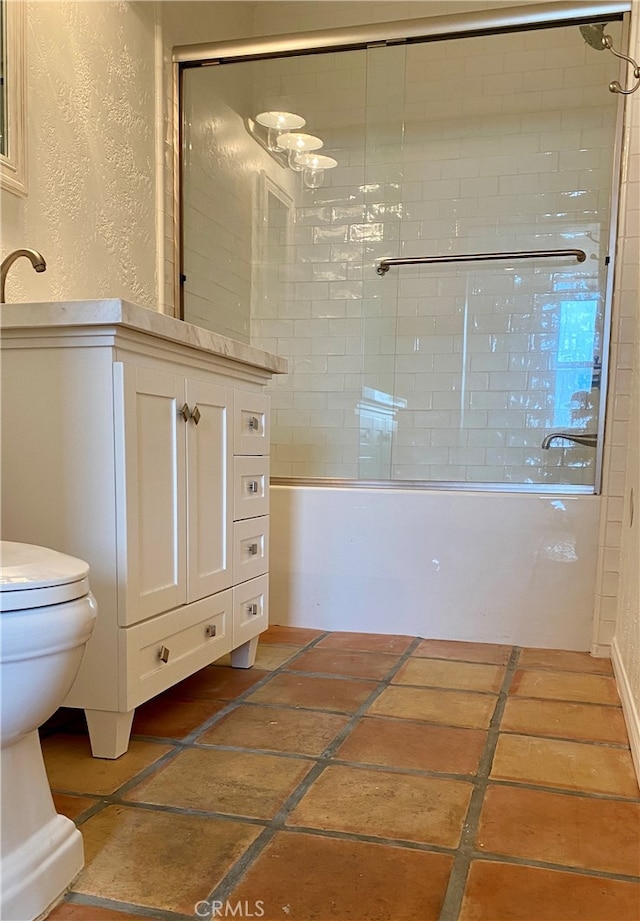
<point>13,175</point>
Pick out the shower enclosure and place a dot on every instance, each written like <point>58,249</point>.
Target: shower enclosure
<point>442,289</point>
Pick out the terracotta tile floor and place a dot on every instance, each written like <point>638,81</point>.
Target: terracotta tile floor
<point>351,777</point>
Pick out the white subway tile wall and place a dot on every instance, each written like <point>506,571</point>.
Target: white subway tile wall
<point>441,373</point>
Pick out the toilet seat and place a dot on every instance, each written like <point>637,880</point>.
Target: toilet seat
<point>35,577</point>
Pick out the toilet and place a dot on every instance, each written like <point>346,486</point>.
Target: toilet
<point>47,615</point>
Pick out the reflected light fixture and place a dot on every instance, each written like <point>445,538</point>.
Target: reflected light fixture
<point>290,147</point>
<point>297,144</point>
<point>278,122</point>
<point>314,166</point>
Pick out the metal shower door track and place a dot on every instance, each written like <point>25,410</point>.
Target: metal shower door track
<point>431,28</point>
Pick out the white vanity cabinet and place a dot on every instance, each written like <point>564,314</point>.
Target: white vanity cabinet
<point>140,444</point>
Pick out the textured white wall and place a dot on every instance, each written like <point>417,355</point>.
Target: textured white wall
<point>91,206</point>
<point>273,18</point>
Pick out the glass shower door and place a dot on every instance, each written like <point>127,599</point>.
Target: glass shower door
<point>449,374</point>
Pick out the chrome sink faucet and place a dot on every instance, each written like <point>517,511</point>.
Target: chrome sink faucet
<point>37,261</point>
<point>590,439</point>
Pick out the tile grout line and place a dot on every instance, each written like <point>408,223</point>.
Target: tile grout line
<point>563,791</point>
<point>494,857</point>
<point>464,853</point>
<point>132,908</point>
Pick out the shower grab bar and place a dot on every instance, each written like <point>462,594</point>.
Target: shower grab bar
<point>385,264</point>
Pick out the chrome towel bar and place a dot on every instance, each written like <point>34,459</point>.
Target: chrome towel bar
<point>385,264</point>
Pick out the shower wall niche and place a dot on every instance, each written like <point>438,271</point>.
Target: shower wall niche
<point>430,374</point>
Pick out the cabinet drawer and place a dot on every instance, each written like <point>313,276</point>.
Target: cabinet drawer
<point>250,487</point>
<point>250,422</point>
<point>250,609</point>
<point>188,638</point>
<point>250,548</point>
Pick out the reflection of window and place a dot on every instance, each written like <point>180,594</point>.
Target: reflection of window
<point>377,427</point>
<point>273,220</point>
<point>577,331</point>
<point>573,406</point>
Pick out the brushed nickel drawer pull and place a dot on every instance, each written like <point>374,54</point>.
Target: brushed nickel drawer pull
<point>254,423</point>
<point>252,608</point>
<point>163,654</point>
<point>211,630</point>
<point>252,549</point>
<point>196,415</point>
<point>252,486</point>
<point>184,412</point>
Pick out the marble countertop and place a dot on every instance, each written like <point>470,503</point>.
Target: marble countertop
<point>113,311</point>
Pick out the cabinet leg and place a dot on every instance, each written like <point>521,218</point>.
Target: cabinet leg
<point>244,656</point>
<point>109,732</point>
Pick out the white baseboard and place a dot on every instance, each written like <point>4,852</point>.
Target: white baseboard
<point>601,650</point>
<point>629,705</point>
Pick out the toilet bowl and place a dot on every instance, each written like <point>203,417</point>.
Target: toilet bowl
<point>47,614</point>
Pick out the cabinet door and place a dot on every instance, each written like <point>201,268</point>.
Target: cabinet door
<point>152,540</point>
<point>208,488</point>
